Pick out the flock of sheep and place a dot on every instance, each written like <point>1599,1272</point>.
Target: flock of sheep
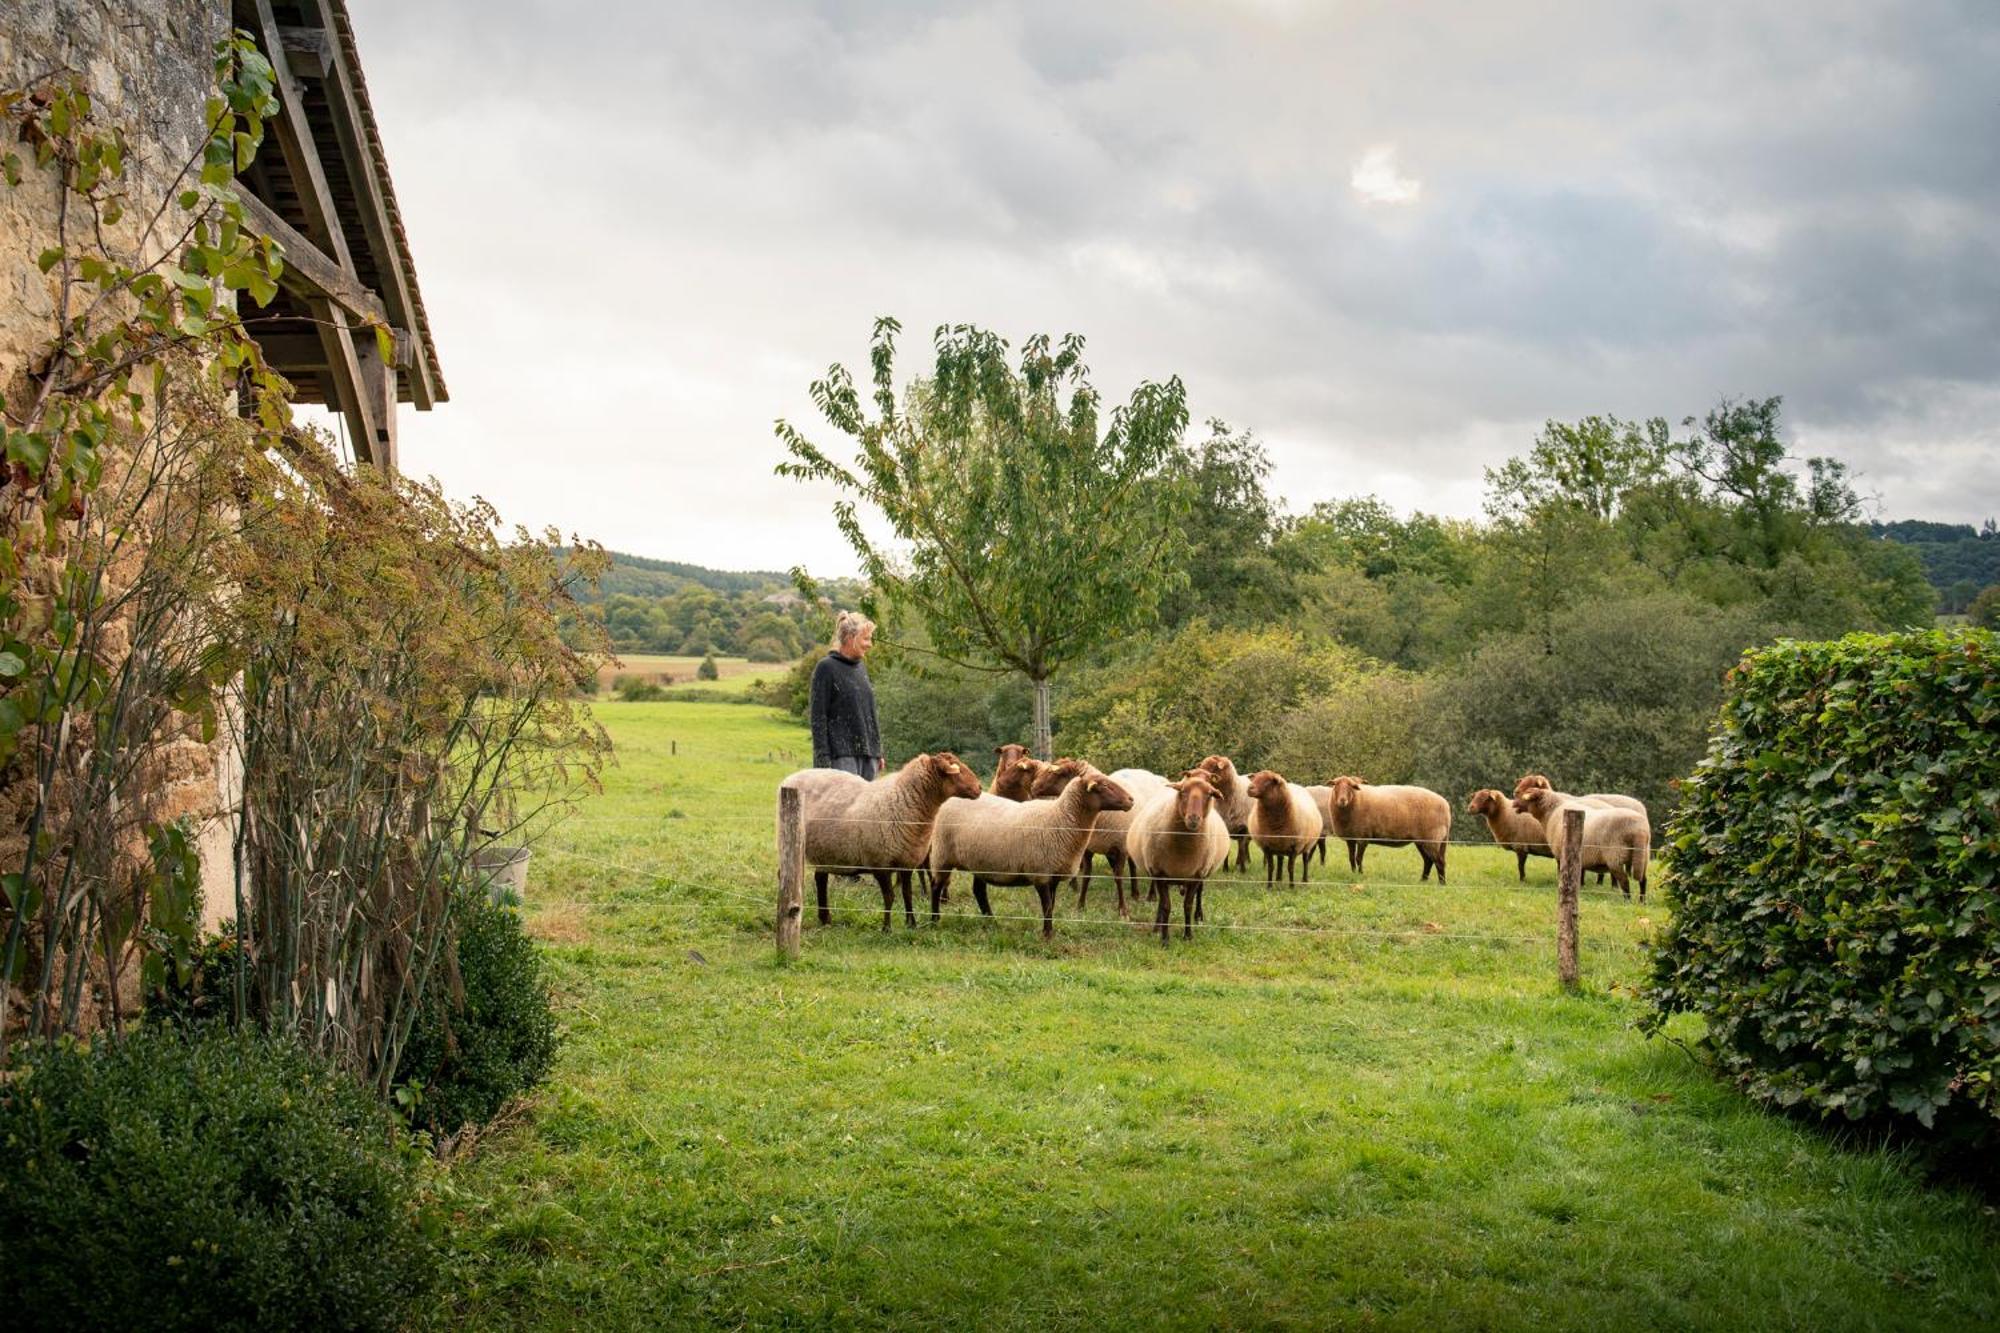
<point>1043,822</point>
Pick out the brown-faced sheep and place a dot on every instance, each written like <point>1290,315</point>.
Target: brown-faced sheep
<point>1614,840</point>
<point>1285,823</point>
<point>1036,843</point>
<point>881,828</point>
<point>1233,792</point>
<point>1015,775</point>
<point>1108,837</point>
<point>1391,816</point>
<point>1611,799</point>
<point>1519,833</point>
<point>1178,837</point>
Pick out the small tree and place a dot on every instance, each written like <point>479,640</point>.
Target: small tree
<point>708,670</point>
<point>1022,537</point>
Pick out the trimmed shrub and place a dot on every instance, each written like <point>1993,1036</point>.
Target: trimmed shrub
<point>1836,865</point>
<point>708,670</point>
<point>205,1179</point>
<point>634,690</point>
<point>490,1037</point>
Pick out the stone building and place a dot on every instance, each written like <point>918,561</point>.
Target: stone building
<point>320,187</point>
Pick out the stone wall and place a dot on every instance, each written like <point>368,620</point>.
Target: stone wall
<point>149,68</point>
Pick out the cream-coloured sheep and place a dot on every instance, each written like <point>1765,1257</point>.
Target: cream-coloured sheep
<point>1178,837</point>
<point>1233,798</point>
<point>1519,833</point>
<point>1611,799</point>
<point>1107,839</point>
<point>1615,840</point>
<point>1285,823</point>
<point>1037,843</point>
<point>881,828</point>
<point>1391,816</point>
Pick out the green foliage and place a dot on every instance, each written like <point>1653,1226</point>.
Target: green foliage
<point>1026,534</point>
<point>205,989</point>
<point>1984,611</point>
<point>1238,571</point>
<point>967,712</point>
<point>490,1037</point>
<point>793,690</point>
<point>1836,865</point>
<point>1370,724</point>
<point>708,670</point>
<point>205,1180</point>
<point>1952,553</point>
<point>1202,692</point>
<point>638,690</point>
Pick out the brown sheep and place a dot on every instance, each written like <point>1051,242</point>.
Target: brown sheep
<point>881,828</point>
<point>1233,791</point>
<point>1037,843</point>
<point>1391,816</point>
<point>1284,823</point>
<point>1539,782</point>
<point>1614,840</point>
<point>1014,775</point>
<point>1519,833</point>
<point>1178,838</point>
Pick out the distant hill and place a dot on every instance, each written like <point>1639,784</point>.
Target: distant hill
<point>1955,555</point>
<point>641,576</point>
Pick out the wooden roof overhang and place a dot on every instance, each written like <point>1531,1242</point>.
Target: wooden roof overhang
<point>321,189</point>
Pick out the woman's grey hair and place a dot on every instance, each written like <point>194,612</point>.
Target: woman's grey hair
<point>849,626</point>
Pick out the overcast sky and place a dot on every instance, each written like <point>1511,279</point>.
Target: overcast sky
<point>1391,239</point>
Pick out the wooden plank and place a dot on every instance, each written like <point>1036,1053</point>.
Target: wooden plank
<point>305,351</point>
<point>378,384</point>
<point>348,388</point>
<point>1569,879</point>
<point>308,51</point>
<point>295,141</point>
<point>791,871</point>
<point>309,271</point>
<point>375,220</point>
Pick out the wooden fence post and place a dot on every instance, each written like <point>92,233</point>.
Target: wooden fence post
<point>1569,878</point>
<point>791,871</point>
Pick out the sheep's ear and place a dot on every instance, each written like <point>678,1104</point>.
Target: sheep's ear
<point>1090,784</point>
<point>951,768</point>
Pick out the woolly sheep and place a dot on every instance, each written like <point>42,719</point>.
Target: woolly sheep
<point>1284,822</point>
<point>1108,837</point>
<point>1391,816</point>
<point>1614,839</point>
<point>1015,773</point>
<point>1036,843</point>
<point>1233,792</point>
<point>1178,837</point>
<point>1537,781</point>
<point>1519,833</point>
<point>881,828</point>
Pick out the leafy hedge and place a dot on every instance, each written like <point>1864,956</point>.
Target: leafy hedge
<point>203,1179</point>
<point>491,1037</point>
<point>1836,861</point>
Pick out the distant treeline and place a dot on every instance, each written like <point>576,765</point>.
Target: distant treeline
<point>1959,559</point>
<point>668,606</point>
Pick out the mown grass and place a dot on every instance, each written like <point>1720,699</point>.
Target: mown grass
<point>734,674</point>
<point>1261,1127</point>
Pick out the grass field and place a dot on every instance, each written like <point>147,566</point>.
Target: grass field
<point>1355,1103</point>
<point>735,674</point>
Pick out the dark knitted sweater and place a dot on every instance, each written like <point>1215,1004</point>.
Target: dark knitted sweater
<point>843,712</point>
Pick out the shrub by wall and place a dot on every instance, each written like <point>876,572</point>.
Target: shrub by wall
<point>204,1179</point>
<point>1836,868</point>
<point>489,1038</point>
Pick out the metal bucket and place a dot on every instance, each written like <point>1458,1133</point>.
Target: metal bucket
<point>503,871</point>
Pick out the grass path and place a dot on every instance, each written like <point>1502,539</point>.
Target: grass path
<point>966,1126</point>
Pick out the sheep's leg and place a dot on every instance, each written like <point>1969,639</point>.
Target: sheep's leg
<point>1270,868</point>
<point>1187,909</point>
<point>819,886</point>
<point>1242,851</point>
<point>1131,871</point>
<point>885,880</point>
<point>909,909</point>
<point>1306,870</point>
<point>1200,901</point>
<point>1045,889</point>
<point>1600,877</point>
<point>979,896</point>
<point>1442,848</point>
<point>939,879</point>
<point>1084,870</point>
<point>1353,856</point>
<point>1623,881</point>
<point>1521,865</point>
<point>1320,847</point>
<point>1163,909</point>
<point>1642,883</point>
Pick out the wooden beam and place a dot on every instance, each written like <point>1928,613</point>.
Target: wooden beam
<point>308,270</point>
<point>308,51</point>
<point>378,383</point>
<point>342,96</point>
<point>304,351</point>
<point>294,136</point>
<point>348,386</point>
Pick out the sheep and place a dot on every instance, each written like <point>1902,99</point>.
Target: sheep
<point>1518,833</point>
<point>1234,791</point>
<point>1108,837</point>
<point>1178,837</point>
<point>1030,842</point>
<point>1016,772</point>
<point>1536,781</point>
<point>1284,822</point>
<point>1614,839</point>
<point>882,827</point>
<point>1391,816</point>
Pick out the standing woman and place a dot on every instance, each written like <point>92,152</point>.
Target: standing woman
<point>843,702</point>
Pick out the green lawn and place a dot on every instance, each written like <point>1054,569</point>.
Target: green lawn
<point>735,674</point>
<point>1354,1103</point>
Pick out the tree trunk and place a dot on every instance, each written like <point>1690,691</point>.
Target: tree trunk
<point>1044,743</point>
